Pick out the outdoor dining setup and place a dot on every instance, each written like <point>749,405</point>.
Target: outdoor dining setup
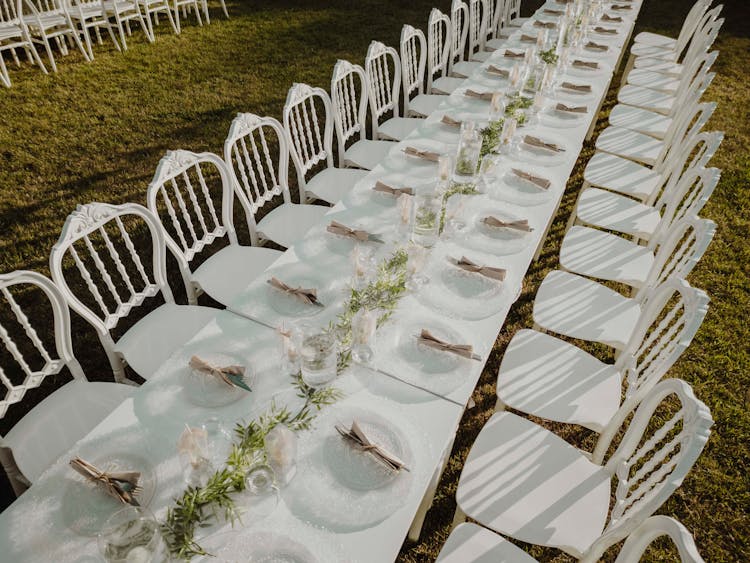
<point>309,411</point>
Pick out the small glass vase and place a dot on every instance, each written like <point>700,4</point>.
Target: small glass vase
<point>364,326</point>
<point>427,209</point>
<point>130,535</point>
<point>467,157</point>
<point>318,355</point>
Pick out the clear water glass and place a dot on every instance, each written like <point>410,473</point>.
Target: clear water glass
<point>507,136</point>
<point>289,349</point>
<point>261,494</point>
<point>130,535</point>
<point>497,107</point>
<point>467,157</point>
<point>445,167</point>
<point>455,221</point>
<point>426,219</point>
<point>281,453</point>
<point>195,456</point>
<point>363,265</point>
<point>405,203</point>
<point>318,355</point>
<point>415,266</point>
<point>364,326</point>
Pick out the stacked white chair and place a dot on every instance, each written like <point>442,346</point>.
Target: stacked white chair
<point>14,34</point>
<point>50,19</point>
<point>439,30</point>
<point>260,180</point>
<point>67,414</point>
<point>90,15</point>
<point>310,148</point>
<point>349,101</point>
<point>116,280</point>
<point>123,12</point>
<point>151,10</point>
<point>413,64</point>
<point>470,543</point>
<point>185,6</point>
<point>523,481</point>
<point>383,67</point>
<point>194,215</point>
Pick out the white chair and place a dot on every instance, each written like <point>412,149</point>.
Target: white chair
<point>123,12</point>
<point>497,34</point>
<point>310,149</point>
<point>349,99</point>
<point>112,281</point>
<point>50,19</point>
<point>549,378</point>
<point>204,3</point>
<point>685,194</point>
<point>192,224</point>
<point>151,10</point>
<point>66,415</point>
<point>15,35</point>
<point>438,54</point>
<point>383,67</point>
<point>470,543</point>
<point>457,65</point>
<point>261,179</point>
<point>185,6</point>
<point>513,14</point>
<point>688,28</point>
<point>479,14</point>
<point>90,14</point>
<point>413,64</point>
<point>525,482</point>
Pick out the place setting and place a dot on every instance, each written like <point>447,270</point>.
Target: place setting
<point>495,229</point>
<point>522,185</point>
<point>216,379</point>
<point>418,156</point>
<point>384,190</point>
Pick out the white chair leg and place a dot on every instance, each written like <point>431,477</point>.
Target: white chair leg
<point>628,67</point>
<point>224,8</point>
<point>176,17</point>
<point>113,36</point>
<point>4,76</point>
<point>171,20</point>
<point>48,47</point>
<point>87,41</point>
<point>98,36</point>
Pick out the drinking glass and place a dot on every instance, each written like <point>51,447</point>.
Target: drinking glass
<point>364,325</point>
<point>261,493</point>
<point>489,172</point>
<point>195,457</point>
<point>497,107</point>
<point>507,136</point>
<point>290,358</point>
<point>426,219</point>
<point>130,535</point>
<point>281,452</point>
<point>418,256</point>
<point>467,157</point>
<point>455,223</point>
<point>405,204</point>
<point>445,167</point>
<point>318,355</point>
<point>364,265</point>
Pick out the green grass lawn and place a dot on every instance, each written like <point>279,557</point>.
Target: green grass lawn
<point>97,131</point>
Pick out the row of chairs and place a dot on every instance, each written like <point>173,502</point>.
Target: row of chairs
<point>525,482</point>
<point>26,24</point>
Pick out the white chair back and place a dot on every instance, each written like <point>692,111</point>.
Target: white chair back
<point>349,104</point>
<point>186,212</point>
<point>654,455</point>
<point>383,67</point>
<point>413,62</point>
<point>655,527</point>
<point>477,26</point>
<point>459,32</point>
<point>691,23</point>
<point>702,37</point>
<point>438,46</point>
<point>682,130</point>
<point>310,136</point>
<point>10,10</point>
<point>258,176</point>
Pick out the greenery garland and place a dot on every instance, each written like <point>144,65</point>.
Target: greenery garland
<point>549,56</point>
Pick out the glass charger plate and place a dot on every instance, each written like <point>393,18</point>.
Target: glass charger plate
<point>254,547</point>
<point>366,195</point>
<point>398,160</point>
<point>205,390</point>
<point>495,240</point>
<point>551,117</point>
<point>574,96</point>
<point>586,72</point>
<point>333,477</point>
<point>513,189</point>
<point>288,305</point>
<point>541,156</point>
<point>85,504</point>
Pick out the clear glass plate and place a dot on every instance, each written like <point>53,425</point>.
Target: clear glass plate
<point>551,117</point>
<point>462,294</point>
<point>205,390</point>
<point>288,305</point>
<point>255,547</point>
<point>541,156</point>
<point>495,240</point>
<point>516,190</point>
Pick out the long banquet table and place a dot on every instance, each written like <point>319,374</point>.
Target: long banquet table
<point>426,407</point>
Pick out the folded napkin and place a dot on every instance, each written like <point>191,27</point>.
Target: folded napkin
<point>448,120</point>
<point>465,350</point>
<point>122,485</point>
<point>486,96</point>
<point>539,143</point>
<point>553,12</point>
<point>613,19</point>
<point>231,375</point>
<point>423,154</point>
<point>356,436</point>
<point>621,7</point>
<point>492,69</point>
<point>591,46</point>
<point>342,230</point>
<point>571,109</point>
<point>536,180</point>
<point>514,55</point>
<point>545,25</point>
<point>395,192</point>
<point>585,64</point>
<point>309,296</point>
<point>519,225</point>
<point>576,87</point>
<point>605,30</point>
<point>528,38</point>
<point>465,264</point>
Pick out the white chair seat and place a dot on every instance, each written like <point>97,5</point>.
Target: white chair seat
<point>621,175</point>
<point>495,44</point>
<point>630,144</point>
<point>524,481</point>
<point>614,212</point>
<point>580,308</point>
<point>289,222</point>
<point>656,40</point>
<point>398,128</point>
<point>332,184</point>
<point>154,338</point>
<point>481,56</point>
<point>446,84</point>
<point>547,377</point>
<point>596,254</point>
<point>646,98</point>
<point>425,104</point>
<point>10,30</point>
<point>47,21</point>
<point>367,153</point>
<point>53,426</point>
<point>658,65</point>
<point>641,120</point>
<point>653,51</point>
<point>470,543</point>
<point>232,269</point>
<point>465,68</point>
<point>88,10</point>
<point>654,80</point>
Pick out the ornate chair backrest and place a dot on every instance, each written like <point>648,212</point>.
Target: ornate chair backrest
<point>691,23</point>
<point>702,36</point>
<point>310,136</point>
<point>670,318</point>
<point>187,212</point>
<point>349,97</point>
<point>683,129</point>
<point>43,7</point>
<point>9,10</point>
<point>438,46</point>
<point>655,454</point>
<point>513,11</point>
<point>477,25</point>
<point>413,61</point>
<point>97,238</point>
<point>383,66</point>
<point>655,527</point>
<point>496,22</point>
<point>459,32</point>
<point>259,173</point>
